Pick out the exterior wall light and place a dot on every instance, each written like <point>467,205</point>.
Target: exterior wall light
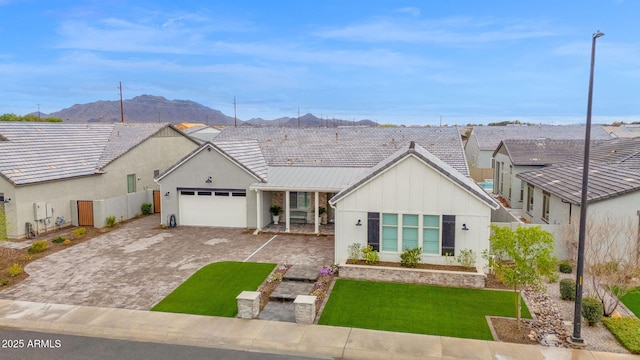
<point>209,180</point>
<point>359,223</point>
<point>464,227</point>
<point>167,193</point>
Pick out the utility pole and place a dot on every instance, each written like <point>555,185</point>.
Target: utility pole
<point>298,116</point>
<point>39,118</point>
<point>235,117</point>
<point>121,104</point>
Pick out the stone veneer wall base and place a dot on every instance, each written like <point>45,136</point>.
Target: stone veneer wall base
<point>413,276</point>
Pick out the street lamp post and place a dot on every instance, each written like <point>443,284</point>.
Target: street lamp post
<point>576,338</point>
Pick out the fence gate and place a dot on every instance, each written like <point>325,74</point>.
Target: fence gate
<point>85,213</point>
<point>156,201</point>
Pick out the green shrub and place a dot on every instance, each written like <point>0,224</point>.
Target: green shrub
<point>79,232</point>
<point>565,267</point>
<point>626,330</point>
<point>38,246</point>
<point>4,282</point>
<point>355,250</point>
<point>370,256</point>
<point>58,240</point>
<point>14,270</point>
<point>410,257</point>
<point>111,221</point>
<point>466,258</point>
<point>66,242</point>
<point>567,289</point>
<point>592,310</point>
<point>146,208</point>
<point>553,278</point>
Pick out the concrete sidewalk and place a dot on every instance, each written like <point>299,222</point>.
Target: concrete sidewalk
<point>267,336</point>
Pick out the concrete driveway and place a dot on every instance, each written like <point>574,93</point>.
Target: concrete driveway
<point>138,264</point>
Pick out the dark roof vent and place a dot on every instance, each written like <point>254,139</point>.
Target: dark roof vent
<point>412,145</point>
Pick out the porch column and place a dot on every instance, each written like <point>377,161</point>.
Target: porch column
<point>315,213</point>
<point>287,219</point>
<point>259,221</point>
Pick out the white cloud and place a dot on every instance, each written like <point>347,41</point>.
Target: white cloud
<point>412,11</point>
<point>456,31</point>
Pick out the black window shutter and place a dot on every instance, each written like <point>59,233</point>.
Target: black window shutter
<point>373,230</point>
<point>448,235</point>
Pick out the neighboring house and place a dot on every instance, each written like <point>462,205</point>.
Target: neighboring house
<point>484,140</point>
<point>513,157</point>
<point>202,133</point>
<point>419,175</point>
<point>553,194</point>
<point>53,174</point>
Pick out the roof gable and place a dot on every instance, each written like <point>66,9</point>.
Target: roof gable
<point>245,154</point>
<point>533,152</point>
<point>430,160</point>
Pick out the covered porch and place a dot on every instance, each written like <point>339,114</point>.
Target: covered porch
<point>302,195</point>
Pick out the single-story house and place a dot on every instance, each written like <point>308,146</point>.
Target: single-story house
<point>513,157</point>
<point>484,140</point>
<point>54,174</point>
<point>417,175</point>
<point>553,194</point>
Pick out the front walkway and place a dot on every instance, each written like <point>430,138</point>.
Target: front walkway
<point>268,336</point>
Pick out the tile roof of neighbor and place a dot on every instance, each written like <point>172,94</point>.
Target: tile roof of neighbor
<point>488,137</point>
<point>565,181</point>
<point>614,169</point>
<point>529,152</point>
<point>432,160</point>
<point>38,152</point>
<point>348,147</point>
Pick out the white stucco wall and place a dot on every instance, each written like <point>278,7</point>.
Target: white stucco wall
<point>411,187</point>
<point>193,173</point>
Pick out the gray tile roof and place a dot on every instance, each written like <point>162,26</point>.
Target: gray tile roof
<point>348,147</point>
<point>488,137</point>
<point>38,152</point>
<point>247,153</point>
<point>435,162</point>
<point>542,151</point>
<point>565,181</point>
<point>624,152</point>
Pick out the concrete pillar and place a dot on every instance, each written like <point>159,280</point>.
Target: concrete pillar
<point>305,309</point>
<point>248,304</point>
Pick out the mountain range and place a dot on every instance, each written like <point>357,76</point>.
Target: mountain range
<point>150,108</point>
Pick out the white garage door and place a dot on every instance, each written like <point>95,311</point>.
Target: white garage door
<point>226,208</point>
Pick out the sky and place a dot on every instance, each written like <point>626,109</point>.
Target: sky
<point>394,62</point>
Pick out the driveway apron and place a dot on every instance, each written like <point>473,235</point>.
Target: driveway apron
<point>138,264</point>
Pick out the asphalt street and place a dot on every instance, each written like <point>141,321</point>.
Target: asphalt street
<point>23,345</point>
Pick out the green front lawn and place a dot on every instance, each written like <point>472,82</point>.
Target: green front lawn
<point>632,301</point>
<point>212,290</point>
<point>419,309</point>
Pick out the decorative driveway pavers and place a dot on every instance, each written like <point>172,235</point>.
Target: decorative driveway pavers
<point>138,264</point>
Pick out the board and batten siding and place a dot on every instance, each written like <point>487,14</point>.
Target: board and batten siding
<point>411,187</point>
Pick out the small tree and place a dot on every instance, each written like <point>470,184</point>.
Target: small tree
<point>611,258</point>
<point>523,257</point>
